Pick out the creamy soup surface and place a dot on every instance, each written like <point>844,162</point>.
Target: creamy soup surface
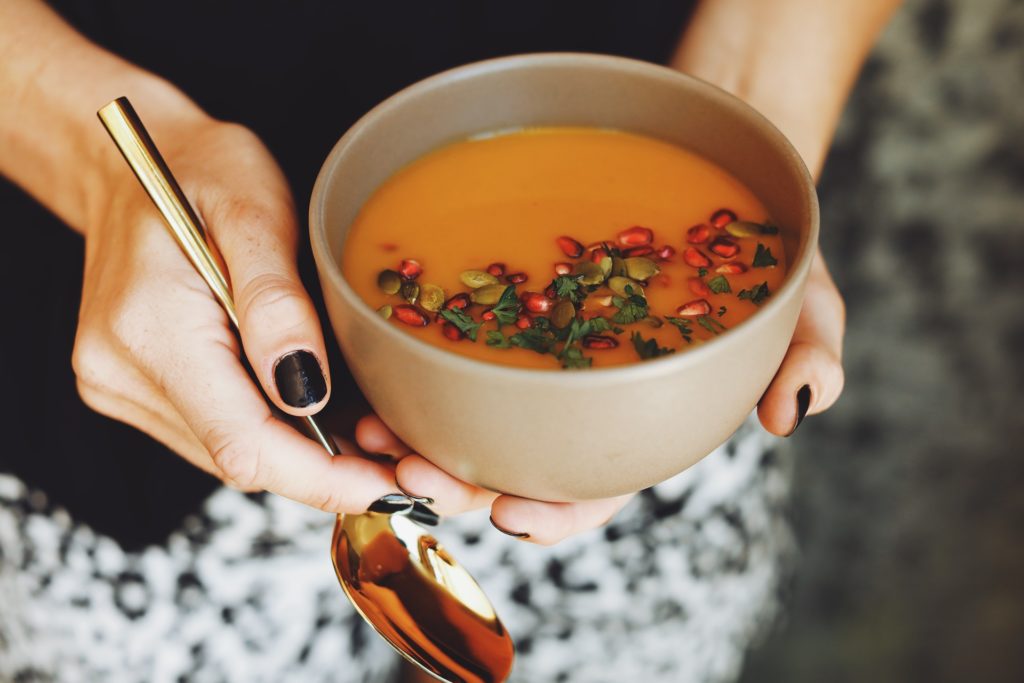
<point>618,248</point>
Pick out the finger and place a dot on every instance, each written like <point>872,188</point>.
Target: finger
<point>373,436</point>
<point>256,231</point>
<point>549,523</point>
<point>418,477</point>
<point>209,388</point>
<point>810,378</point>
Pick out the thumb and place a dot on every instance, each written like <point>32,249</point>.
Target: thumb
<point>257,237</point>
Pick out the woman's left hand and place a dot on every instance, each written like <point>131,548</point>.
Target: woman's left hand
<point>530,520</point>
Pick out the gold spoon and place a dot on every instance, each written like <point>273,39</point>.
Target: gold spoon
<point>399,578</point>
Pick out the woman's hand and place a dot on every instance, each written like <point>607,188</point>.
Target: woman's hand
<point>156,351</point>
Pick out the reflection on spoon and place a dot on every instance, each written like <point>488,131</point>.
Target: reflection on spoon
<point>419,599</point>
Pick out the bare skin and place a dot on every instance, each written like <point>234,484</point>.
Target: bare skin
<point>169,366</point>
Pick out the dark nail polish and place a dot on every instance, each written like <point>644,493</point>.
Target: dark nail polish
<point>425,500</point>
<point>391,504</point>
<point>299,379</point>
<point>803,402</point>
<point>424,515</point>
<point>513,534</point>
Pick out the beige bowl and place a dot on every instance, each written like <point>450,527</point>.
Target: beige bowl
<point>571,435</point>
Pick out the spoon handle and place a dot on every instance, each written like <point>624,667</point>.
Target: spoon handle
<point>145,160</point>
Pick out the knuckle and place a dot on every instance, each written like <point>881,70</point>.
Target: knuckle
<point>273,301</point>
<point>235,459</point>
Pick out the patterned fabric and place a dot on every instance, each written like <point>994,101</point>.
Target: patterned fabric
<point>674,589</point>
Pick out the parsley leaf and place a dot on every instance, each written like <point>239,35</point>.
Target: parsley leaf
<point>757,294</point>
<point>569,287</point>
<point>683,325</point>
<point>533,339</point>
<point>721,311</point>
<point>710,324</point>
<point>573,358</point>
<point>631,309</point>
<point>702,272</point>
<point>461,320</point>
<point>498,340</point>
<point>763,257</point>
<point>719,285</point>
<point>769,229</point>
<point>508,306</point>
<point>648,348</point>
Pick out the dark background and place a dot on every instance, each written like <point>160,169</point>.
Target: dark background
<point>909,494</point>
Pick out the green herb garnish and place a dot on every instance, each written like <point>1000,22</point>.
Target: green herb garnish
<point>719,285</point>
<point>631,308</point>
<point>683,325</point>
<point>763,257</point>
<point>648,348</point>
<point>573,359</point>
<point>461,320</point>
<point>721,311</point>
<point>769,229</point>
<point>534,339</point>
<point>497,340</point>
<point>710,324</point>
<point>702,272</point>
<point>757,294</point>
<point>569,287</point>
<point>508,307</point>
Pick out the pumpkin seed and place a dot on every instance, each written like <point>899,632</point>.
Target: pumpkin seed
<point>654,321</point>
<point>618,267</point>
<point>619,284</point>
<point>477,278</point>
<point>563,314</point>
<point>384,311</point>
<point>743,229</point>
<point>641,268</point>
<point>410,291</point>
<point>389,281</point>
<point>431,297</point>
<point>488,295</point>
<point>590,273</point>
<point>606,266</point>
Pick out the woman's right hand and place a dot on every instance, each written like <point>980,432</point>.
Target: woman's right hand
<point>155,350</point>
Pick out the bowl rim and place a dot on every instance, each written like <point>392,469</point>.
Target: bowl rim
<point>794,279</point>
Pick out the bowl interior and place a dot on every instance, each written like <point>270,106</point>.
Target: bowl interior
<point>565,89</point>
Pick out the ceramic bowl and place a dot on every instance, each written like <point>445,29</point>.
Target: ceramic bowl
<point>539,433</point>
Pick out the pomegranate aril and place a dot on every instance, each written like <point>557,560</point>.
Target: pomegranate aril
<point>722,218</point>
<point>410,269</point>
<point>563,268</point>
<point>694,308</point>
<point>388,246</point>
<point>549,292</point>
<point>570,247</point>
<point>536,302</point>
<point>523,322</point>
<point>731,268</point>
<point>598,254</point>
<point>452,332</point>
<point>698,234</point>
<point>662,280</point>
<point>599,341</point>
<point>410,315</point>
<point>694,257</point>
<point>698,287</point>
<point>459,301</point>
<point>516,278</point>
<point>496,269</point>
<point>488,315</point>
<point>724,247</point>
<point>638,251</point>
<point>665,253</point>
<point>635,236</point>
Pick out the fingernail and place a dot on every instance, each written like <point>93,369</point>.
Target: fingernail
<point>425,500</point>
<point>803,402</point>
<point>513,534</point>
<point>391,504</point>
<point>424,515</point>
<point>299,379</point>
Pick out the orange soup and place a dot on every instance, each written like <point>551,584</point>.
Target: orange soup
<point>564,248</point>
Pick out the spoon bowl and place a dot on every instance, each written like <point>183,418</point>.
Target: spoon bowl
<point>419,599</point>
